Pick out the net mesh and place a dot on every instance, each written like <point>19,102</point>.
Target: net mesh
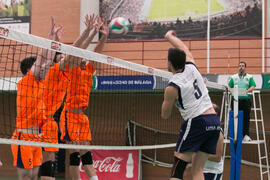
<point>124,103</point>
<point>11,53</point>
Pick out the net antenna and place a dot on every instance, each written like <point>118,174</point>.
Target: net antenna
<point>235,111</point>
<point>26,44</point>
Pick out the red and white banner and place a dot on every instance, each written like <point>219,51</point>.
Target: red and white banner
<point>115,164</point>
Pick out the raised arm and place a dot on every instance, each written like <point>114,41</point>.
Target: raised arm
<point>88,19</point>
<point>100,45</point>
<point>178,43</point>
<point>82,41</point>
<point>95,24</point>
<point>45,56</point>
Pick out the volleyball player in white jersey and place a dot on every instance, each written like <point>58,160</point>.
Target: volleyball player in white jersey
<point>186,89</point>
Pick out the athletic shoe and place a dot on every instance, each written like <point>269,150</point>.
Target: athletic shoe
<point>246,138</point>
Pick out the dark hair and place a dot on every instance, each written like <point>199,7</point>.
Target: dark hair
<point>55,56</point>
<point>27,63</point>
<point>243,62</point>
<point>217,109</point>
<point>177,57</point>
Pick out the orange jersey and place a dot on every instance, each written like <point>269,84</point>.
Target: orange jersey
<point>80,86</point>
<point>55,86</point>
<point>29,102</point>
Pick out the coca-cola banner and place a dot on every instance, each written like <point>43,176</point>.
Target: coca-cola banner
<point>115,165</point>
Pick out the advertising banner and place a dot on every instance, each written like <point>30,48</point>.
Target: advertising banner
<point>15,14</point>
<point>150,20</point>
<point>125,82</point>
<point>115,165</point>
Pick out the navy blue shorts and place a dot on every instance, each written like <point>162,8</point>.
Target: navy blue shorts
<point>199,134</point>
<point>211,176</point>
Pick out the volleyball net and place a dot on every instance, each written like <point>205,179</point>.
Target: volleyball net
<point>123,107</point>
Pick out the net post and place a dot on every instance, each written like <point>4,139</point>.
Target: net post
<point>235,111</point>
<point>227,101</point>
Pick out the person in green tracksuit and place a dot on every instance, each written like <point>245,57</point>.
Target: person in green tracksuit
<point>244,81</point>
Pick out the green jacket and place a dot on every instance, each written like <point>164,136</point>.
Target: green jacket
<point>244,82</point>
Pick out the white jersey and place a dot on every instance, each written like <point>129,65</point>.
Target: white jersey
<point>213,167</point>
<point>193,98</point>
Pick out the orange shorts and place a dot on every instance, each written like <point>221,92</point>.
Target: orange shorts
<point>74,127</point>
<point>49,134</point>
<point>26,157</point>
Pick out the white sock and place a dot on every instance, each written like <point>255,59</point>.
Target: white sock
<point>94,178</point>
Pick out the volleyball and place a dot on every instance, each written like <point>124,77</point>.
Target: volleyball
<point>119,26</point>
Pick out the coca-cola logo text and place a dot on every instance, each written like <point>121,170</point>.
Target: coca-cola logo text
<point>109,164</point>
<point>4,32</point>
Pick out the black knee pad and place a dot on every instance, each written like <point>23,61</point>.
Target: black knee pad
<point>48,169</point>
<point>74,159</point>
<point>178,168</point>
<point>87,158</point>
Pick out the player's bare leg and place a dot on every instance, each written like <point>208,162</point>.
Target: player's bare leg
<point>24,174</point>
<point>183,158</point>
<point>198,164</point>
<point>35,173</point>
<point>86,157</point>
<point>74,163</point>
<point>48,157</point>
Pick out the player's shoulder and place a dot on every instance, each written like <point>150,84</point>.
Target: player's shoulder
<point>178,80</point>
<point>191,64</point>
<point>55,66</point>
<point>29,77</point>
<point>178,77</point>
<point>182,77</point>
<point>249,76</point>
<point>27,81</point>
<point>54,69</point>
<point>190,67</point>
<point>90,68</point>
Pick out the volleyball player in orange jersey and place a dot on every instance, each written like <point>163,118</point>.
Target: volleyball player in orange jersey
<point>30,114</point>
<point>55,86</point>
<point>74,123</point>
